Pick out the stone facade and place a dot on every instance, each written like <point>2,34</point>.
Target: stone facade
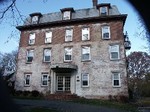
<point>100,67</point>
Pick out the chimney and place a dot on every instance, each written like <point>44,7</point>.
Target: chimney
<point>94,3</point>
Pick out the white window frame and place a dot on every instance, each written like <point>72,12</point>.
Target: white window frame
<point>101,10</point>
<point>114,49</point>
<point>47,54</point>
<point>105,30</point>
<point>48,37</point>
<point>47,79</point>
<point>66,15</point>
<point>85,50</point>
<point>86,33</point>
<point>30,53</point>
<point>25,79</point>
<point>69,35</point>
<point>87,74</point>
<point>35,19</point>
<point>118,79</point>
<point>31,38</point>
<point>67,50</point>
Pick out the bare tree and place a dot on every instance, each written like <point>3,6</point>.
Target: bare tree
<point>138,70</point>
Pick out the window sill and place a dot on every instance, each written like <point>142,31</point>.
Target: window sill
<point>114,59</point>
<point>85,60</point>
<point>85,86</point>
<point>26,85</point>
<point>44,85</point>
<point>28,62</point>
<point>116,86</point>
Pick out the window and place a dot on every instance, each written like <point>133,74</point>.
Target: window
<point>85,80</point>
<point>68,54</point>
<point>116,79</point>
<point>48,37</point>
<point>47,55</point>
<point>27,79</point>
<point>66,15</point>
<point>30,54</point>
<point>103,10</point>
<point>69,35</point>
<point>85,33</point>
<point>114,52</point>
<point>105,32</point>
<point>45,79</point>
<point>32,38</point>
<point>85,53</point>
<point>35,19</point>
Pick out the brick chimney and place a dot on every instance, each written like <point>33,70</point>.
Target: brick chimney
<point>94,3</point>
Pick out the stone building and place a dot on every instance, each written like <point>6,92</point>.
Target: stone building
<point>80,52</point>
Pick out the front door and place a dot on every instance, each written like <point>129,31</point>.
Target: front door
<point>63,83</point>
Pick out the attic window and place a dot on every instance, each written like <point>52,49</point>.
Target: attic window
<point>67,13</point>
<point>103,8</point>
<point>35,17</point>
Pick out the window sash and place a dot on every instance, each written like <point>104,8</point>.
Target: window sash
<point>86,34</point>
<point>116,80</point>
<point>47,55</point>
<point>27,79</point>
<point>66,15</point>
<point>105,32</point>
<point>85,53</point>
<point>68,54</point>
<point>85,80</point>
<point>30,55</point>
<point>48,37</point>
<point>34,19</point>
<point>44,79</point>
<point>103,11</point>
<point>114,52</point>
<point>32,38</point>
<point>69,35</point>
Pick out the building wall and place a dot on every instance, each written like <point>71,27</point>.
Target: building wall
<point>100,67</point>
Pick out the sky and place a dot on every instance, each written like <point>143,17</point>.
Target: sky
<point>26,7</point>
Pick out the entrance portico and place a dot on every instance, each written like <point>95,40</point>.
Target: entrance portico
<point>62,77</point>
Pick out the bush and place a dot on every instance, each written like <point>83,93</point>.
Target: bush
<point>35,93</point>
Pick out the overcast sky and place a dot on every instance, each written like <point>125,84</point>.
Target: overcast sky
<point>48,6</point>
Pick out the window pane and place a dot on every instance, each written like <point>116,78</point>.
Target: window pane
<point>66,15</point>
<point>116,82</point>
<point>116,76</point>
<point>27,79</point>
<point>69,33</point>
<point>85,83</point>
<point>47,54</point>
<point>114,55</point>
<point>85,53</point>
<point>47,58</point>
<point>68,53</point>
<point>85,34</point>
<point>103,10</point>
<point>48,37</point>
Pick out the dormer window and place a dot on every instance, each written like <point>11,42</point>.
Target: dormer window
<point>103,9</point>
<point>35,17</point>
<point>67,13</point>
